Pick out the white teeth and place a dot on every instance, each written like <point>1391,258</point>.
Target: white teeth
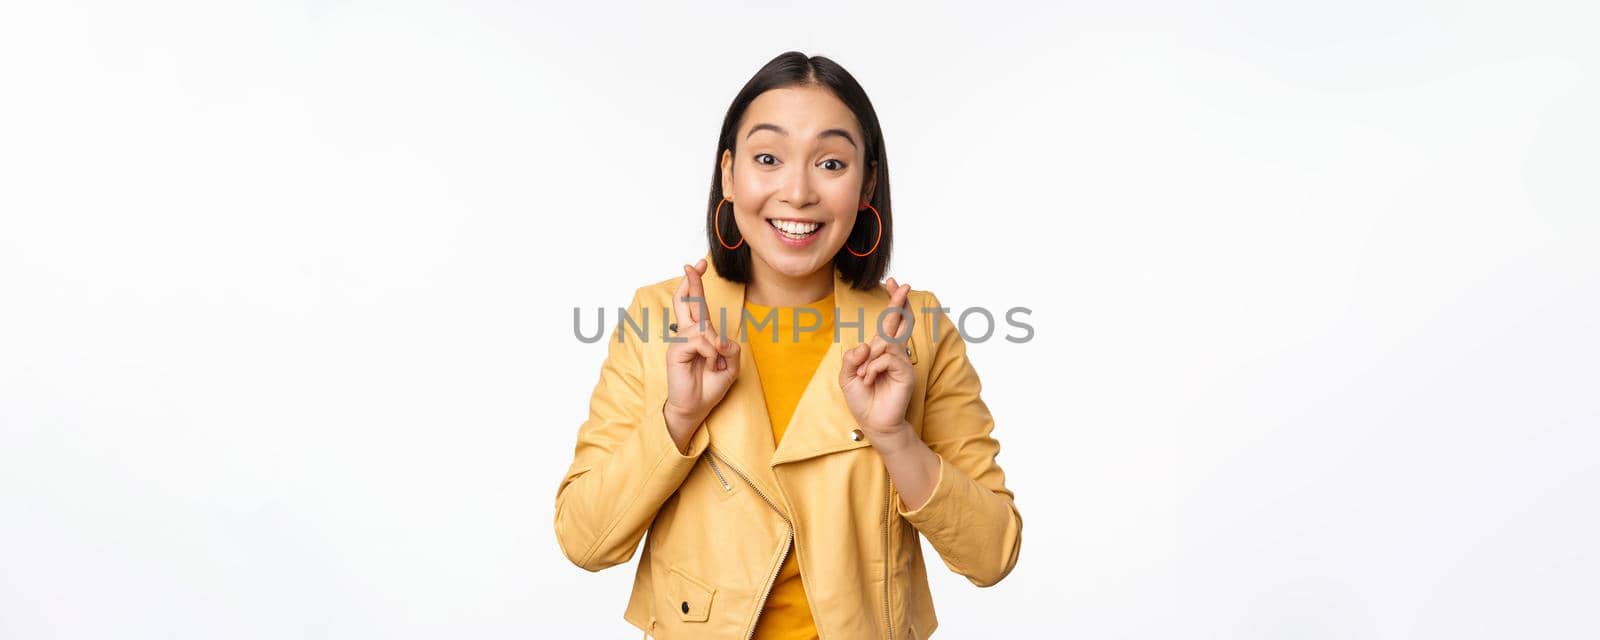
<point>801,229</point>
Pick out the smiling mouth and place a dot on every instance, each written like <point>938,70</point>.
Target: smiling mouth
<point>795,229</point>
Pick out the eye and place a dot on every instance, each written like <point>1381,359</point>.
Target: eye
<point>759,156</point>
<point>840,166</point>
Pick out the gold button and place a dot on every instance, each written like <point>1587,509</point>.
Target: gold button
<point>856,435</point>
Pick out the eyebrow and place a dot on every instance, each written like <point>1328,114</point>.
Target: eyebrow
<point>825,133</point>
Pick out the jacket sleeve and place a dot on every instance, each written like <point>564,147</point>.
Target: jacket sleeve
<point>625,464</point>
<point>971,518</point>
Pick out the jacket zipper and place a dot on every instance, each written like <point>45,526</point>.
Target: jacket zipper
<point>888,577</point>
<point>787,542</point>
<point>718,472</point>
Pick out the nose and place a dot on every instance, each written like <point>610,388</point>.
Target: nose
<point>797,191</point>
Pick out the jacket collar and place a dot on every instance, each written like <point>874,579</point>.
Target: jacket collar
<point>739,426</point>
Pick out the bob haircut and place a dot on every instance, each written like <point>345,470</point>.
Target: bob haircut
<point>796,69</point>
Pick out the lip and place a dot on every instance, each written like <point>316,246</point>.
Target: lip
<point>796,220</point>
<point>797,243</point>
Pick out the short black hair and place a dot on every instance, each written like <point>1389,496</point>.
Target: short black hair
<point>796,69</point>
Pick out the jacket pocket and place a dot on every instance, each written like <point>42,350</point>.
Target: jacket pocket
<point>690,597</point>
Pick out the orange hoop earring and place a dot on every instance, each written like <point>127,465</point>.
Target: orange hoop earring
<point>716,225</point>
<point>875,241</point>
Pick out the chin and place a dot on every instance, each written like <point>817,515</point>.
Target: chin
<point>787,261</point>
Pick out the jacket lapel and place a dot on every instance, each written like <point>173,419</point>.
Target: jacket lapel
<point>740,428</point>
<point>822,421</point>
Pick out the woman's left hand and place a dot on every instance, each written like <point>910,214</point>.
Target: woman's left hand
<point>877,376</point>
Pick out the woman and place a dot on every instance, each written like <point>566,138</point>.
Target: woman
<point>784,483</point>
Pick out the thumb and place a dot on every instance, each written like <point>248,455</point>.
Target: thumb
<point>727,355</point>
<point>853,357</point>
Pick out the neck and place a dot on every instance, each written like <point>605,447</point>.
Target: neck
<point>770,288</point>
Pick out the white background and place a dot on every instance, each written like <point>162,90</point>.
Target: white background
<point>286,293</point>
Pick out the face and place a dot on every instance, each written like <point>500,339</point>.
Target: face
<point>797,176</point>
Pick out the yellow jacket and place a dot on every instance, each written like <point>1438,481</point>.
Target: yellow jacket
<point>721,517</point>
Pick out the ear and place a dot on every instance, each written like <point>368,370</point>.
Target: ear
<point>727,173</point>
<point>871,183</point>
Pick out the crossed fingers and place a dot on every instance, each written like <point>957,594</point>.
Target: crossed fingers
<point>894,325</point>
<point>688,318</point>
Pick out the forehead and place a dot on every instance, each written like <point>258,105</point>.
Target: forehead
<point>802,111</point>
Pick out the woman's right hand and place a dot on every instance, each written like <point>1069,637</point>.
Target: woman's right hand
<point>701,368</point>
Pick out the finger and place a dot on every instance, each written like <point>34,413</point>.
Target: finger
<point>903,321</point>
<point>854,357</point>
<point>702,348</point>
<point>882,345</point>
<point>680,309</point>
<point>905,327</point>
<point>728,362</point>
<point>691,279</point>
<point>867,370</point>
<point>724,349</point>
<point>725,346</point>
<point>878,366</point>
<point>712,342</point>
<point>892,321</point>
<point>730,350</point>
<point>874,349</point>
<point>866,356</point>
<point>697,288</point>
<point>873,367</point>
<point>898,294</point>
<point>694,350</point>
<point>718,343</point>
<point>710,331</point>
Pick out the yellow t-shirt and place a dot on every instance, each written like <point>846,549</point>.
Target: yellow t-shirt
<point>785,368</point>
